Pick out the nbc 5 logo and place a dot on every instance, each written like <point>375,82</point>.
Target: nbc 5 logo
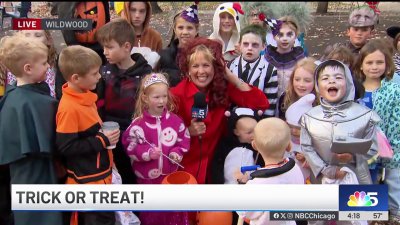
<point>202,112</point>
<point>363,199</point>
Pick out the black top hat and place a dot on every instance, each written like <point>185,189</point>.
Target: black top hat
<point>393,31</point>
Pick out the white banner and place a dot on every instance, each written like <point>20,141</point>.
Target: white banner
<point>175,197</point>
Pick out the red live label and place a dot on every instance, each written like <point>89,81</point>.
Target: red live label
<point>26,24</point>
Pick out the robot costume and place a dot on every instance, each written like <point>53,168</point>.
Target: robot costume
<point>344,123</point>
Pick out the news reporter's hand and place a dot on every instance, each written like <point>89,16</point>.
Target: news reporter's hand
<point>233,79</point>
<point>112,136</point>
<point>344,157</point>
<point>197,128</point>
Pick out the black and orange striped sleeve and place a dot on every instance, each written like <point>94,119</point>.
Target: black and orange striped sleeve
<point>71,141</point>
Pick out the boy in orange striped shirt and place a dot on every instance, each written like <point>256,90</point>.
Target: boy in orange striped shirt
<point>79,139</point>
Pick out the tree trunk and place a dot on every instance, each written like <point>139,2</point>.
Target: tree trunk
<point>155,7</point>
<point>322,7</point>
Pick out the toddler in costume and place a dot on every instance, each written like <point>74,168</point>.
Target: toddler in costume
<point>156,141</point>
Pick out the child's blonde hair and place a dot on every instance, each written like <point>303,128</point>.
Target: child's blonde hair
<point>52,54</point>
<point>16,51</point>
<point>271,136</point>
<point>146,85</point>
<point>290,95</point>
<point>369,48</point>
<point>76,59</point>
<point>291,23</point>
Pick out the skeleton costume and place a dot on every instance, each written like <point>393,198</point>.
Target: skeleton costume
<point>329,123</point>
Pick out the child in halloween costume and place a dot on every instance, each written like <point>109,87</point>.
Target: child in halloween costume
<point>235,149</point>
<point>361,23</point>
<point>156,141</point>
<point>45,37</point>
<point>80,139</point>
<point>255,69</point>
<point>293,114</point>
<point>226,28</point>
<point>272,140</point>
<point>99,13</point>
<point>148,41</point>
<point>354,126</point>
<point>276,10</point>
<point>285,55</point>
<point>27,122</point>
<point>185,27</point>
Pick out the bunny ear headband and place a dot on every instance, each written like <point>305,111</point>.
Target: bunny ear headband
<point>274,24</point>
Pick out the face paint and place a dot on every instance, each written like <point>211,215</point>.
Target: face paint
<point>285,39</point>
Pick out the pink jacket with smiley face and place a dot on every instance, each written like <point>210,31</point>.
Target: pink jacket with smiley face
<point>167,132</point>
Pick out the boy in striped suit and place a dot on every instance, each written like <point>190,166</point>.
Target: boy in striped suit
<point>254,69</point>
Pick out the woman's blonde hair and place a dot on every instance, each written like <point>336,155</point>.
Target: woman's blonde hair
<point>145,87</point>
<point>290,95</point>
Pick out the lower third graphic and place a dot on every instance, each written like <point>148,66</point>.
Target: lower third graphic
<point>304,215</point>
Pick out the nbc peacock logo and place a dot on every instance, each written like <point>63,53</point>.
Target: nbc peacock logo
<point>362,199</point>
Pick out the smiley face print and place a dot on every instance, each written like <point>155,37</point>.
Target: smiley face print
<point>168,136</point>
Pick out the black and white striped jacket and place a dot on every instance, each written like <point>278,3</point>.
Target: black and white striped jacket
<point>262,75</point>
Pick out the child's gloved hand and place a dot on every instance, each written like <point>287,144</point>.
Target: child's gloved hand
<point>174,156</point>
<point>155,153</point>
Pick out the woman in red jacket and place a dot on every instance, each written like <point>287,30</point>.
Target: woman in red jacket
<point>205,71</point>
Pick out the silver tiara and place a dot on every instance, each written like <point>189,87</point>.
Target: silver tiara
<point>155,78</point>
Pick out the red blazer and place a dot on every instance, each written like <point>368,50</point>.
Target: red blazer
<point>196,162</point>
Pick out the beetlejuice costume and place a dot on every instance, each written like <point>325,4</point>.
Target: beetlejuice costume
<point>324,124</point>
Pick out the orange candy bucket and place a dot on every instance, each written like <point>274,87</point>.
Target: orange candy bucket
<point>179,177</point>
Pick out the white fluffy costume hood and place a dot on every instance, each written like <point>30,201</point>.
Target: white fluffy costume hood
<point>233,9</point>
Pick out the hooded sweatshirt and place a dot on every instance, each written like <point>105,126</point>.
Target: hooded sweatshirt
<point>323,124</point>
<point>149,37</point>
<point>117,90</point>
<point>229,48</point>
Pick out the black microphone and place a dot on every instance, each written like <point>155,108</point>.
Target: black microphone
<point>199,108</point>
